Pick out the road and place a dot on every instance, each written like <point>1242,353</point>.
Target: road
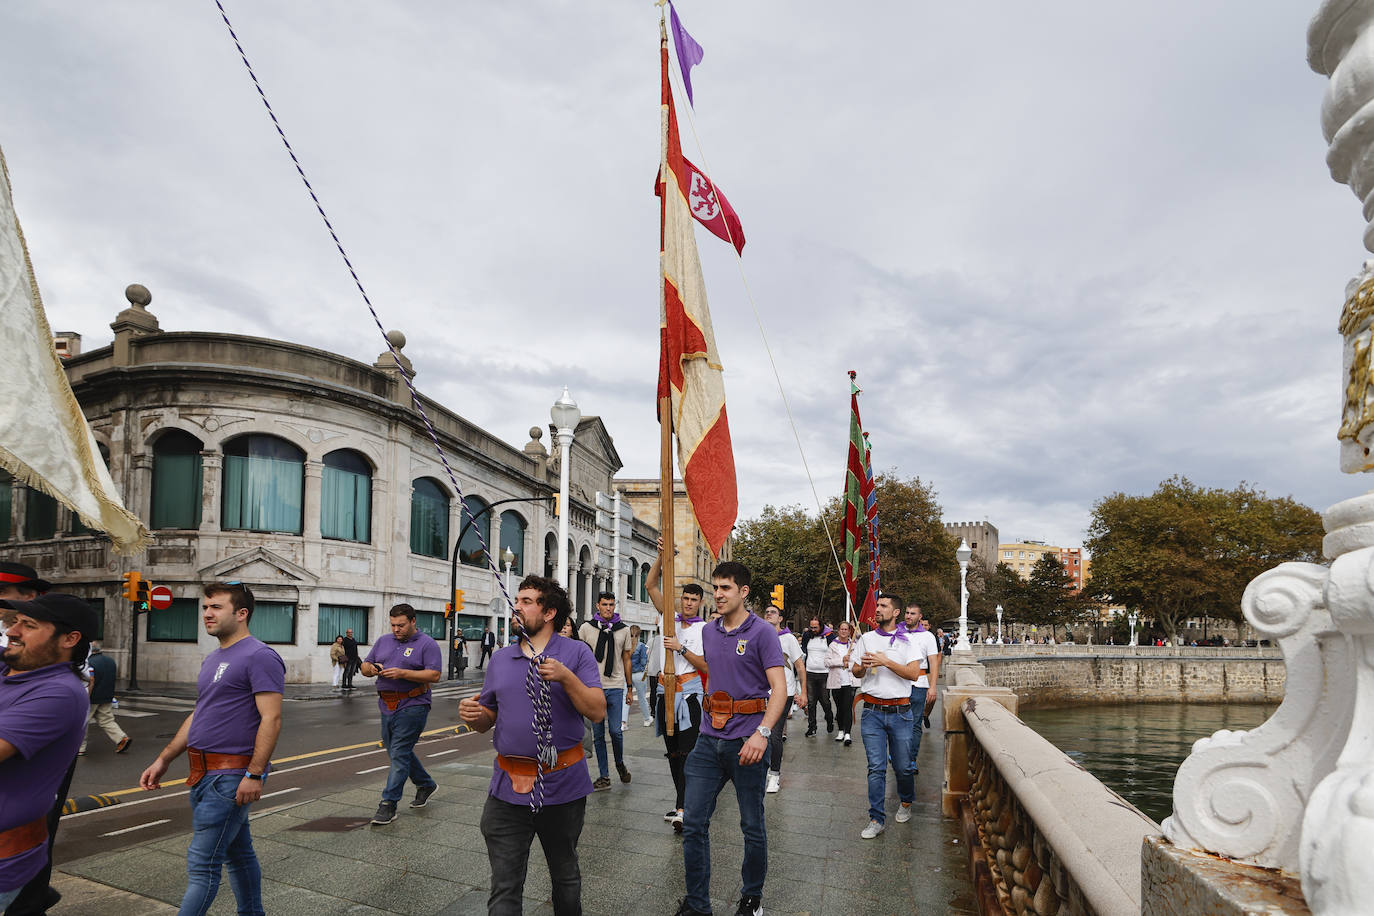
<point>326,745</point>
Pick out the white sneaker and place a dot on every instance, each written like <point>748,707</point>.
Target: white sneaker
<point>872,830</point>
<point>903,813</point>
<point>648,722</point>
<point>839,736</point>
<point>774,783</point>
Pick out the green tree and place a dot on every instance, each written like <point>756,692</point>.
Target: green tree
<point>1186,551</point>
<point>1004,587</point>
<point>787,546</point>
<point>1048,597</point>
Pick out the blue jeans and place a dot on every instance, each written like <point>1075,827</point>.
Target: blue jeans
<point>400,730</point>
<point>712,763</point>
<point>615,708</point>
<point>888,734</point>
<point>918,712</point>
<point>642,694</point>
<point>220,837</point>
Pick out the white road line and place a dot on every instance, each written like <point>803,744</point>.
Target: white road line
<point>165,820</point>
<point>132,714</point>
<point>373,770</point>
<point>125,804</point>
<point>281,792</point>
<point>452,750</point>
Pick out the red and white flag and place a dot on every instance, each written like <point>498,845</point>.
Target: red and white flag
<point>690,372</point>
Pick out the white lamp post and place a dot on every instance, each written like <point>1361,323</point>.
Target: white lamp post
<point>565,416</point>
<point>963,554</point>
<point>999,624</point>
<point>508,558</point>
<point>1131,619</point>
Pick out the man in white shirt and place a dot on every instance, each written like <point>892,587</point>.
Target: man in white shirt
<point>923,693</point>
<point>795,671</point>
<point>887,662</point>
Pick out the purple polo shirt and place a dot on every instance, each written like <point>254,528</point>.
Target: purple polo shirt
<point>43,714</point>
<point>226,717</point>
<point>739,660</point>
<point>418,653</point>
<point>504,691</point>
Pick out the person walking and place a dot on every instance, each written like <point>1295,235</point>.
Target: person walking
<point>840,680</point>
<point>608,638</point>
<point>924,690</point>
<point>457,655</point>
<point>639,663</point>
<point>229,738</point>
<point>351,660</point>
<point>488,646</point>
<point>103,674</point>
<point>815,642</point>
<point>539,781</point>
<point>338,657</point>
<point>406,663</point>
<point>794,672</point>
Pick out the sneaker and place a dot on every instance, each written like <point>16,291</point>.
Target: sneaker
<point>668,816</point>
<point>685,909</point>
<point>903,813</point>
<point>830,728</point>
<point>81,753</point>
<point>774,783</point>
<point>839,736</point>
<point>386,813</point>
<point>602,784</point>
<point>676,821</point>
<point>847,740</point>
<point>648,722</point>
<point>123,744</point>
<point>423,795</point>
<point>872,830</point>
<point>749,906</point>
<point>810,733</point>
<point>624,772</point>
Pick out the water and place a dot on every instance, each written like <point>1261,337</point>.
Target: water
<point>1136,749</point>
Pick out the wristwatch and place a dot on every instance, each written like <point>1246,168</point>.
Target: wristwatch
<point>765,731</point>
<point>260,777</point>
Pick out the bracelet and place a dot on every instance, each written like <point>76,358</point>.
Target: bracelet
<point>260,777</point>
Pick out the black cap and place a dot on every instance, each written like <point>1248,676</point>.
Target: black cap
<point>54,607</point>
<point>22,576</point>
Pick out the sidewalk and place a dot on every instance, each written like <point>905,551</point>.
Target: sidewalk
<point>323,857</point>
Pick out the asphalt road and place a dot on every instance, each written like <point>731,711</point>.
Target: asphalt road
<point>325,746</point>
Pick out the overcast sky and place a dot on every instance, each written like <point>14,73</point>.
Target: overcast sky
<point>1071,248</point>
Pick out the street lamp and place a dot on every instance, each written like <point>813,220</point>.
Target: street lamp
<point>963,554</point>
<point>999,624</point>
<point>508,558</point>
<point>565,417</point>
<point>1131,619</point>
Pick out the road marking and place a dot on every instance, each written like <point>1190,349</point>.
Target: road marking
<point>165,820</point>
<point>452,750</point>
<point>132,713</point>
<point>281,792</point>
<point>373,770</point>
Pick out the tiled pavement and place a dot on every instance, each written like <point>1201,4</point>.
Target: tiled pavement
<point>433,861</point>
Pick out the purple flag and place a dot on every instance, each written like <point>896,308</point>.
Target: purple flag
<point>689,53</point>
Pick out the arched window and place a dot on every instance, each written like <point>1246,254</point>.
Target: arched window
<point>630,582</point>
<point>513,539</point>
<point>644,577</point>
<point>264,482</point>
<point>77,525</point>
<point>550,555</point>
<point>176,480</point>
<point>475,516</point>
<point>428,518</point>
<point>346,497</point>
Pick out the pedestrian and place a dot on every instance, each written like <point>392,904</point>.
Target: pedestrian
<point>229,738</point>
<point>688,663</point>
<point>608,638</point>
<point>885,661</point>
<point>43,711</point>
<point>405,663</point>
<point>639,663</point>
<point>815,643</point>
<point>924,689</point>
<point>488,646</point>
<point>840,681</point>
<point>539,781</point>
<point>566,630</point>
<point>103,674</point>
<point>748,695</point>
<point>351,660</point>
<point>457,655</point>
<point>338,657</point>
<point>794,671</point>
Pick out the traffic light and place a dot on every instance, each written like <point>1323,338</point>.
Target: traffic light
<point>457,600</point>
<point>448,610</point>
<point>133,582</point>
<point>777,597</point>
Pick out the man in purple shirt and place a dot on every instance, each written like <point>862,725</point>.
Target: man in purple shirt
<point>40,695</point>
<point>229,738</point>
<point>540,783</point>
<point>405,663</point>
<point>748,691</point>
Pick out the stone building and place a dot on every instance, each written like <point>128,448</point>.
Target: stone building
<point>694,560</point>
<point>981,538</point>
<point>312,478</point>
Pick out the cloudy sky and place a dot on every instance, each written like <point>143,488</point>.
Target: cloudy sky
<point>1071,248</point>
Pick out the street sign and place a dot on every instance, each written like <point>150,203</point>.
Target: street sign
<point>160,597</point>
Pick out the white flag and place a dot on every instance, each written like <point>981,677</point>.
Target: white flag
<point>45,441</point>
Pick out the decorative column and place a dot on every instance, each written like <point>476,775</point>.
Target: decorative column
<point>139,488</point>
<point>314,475</point>
<point>17,498</point>
<point>210,464</point>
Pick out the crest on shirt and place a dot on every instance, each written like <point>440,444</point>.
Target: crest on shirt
<point>219,672</point>
<point>406,653</point>
<point>740,646</point>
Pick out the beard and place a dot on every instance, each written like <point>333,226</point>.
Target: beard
<point>27,656</point>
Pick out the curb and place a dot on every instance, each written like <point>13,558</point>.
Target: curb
<point>88,803</point>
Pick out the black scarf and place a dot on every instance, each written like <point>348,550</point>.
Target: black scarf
<point>605,642</point>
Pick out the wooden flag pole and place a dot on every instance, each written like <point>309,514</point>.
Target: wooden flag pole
<point>669,583</point>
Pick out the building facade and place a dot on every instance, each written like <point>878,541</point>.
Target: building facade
<point>694,560</point>
<point>312,478</point>
<point>1023,555</point>
<point>981,538</point>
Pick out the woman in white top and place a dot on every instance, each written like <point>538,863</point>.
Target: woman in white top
<point>840,680</point>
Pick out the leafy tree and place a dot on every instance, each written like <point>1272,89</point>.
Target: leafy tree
<point>1048,598</point>
<point>1186,551</point>
<point>787,547</point>
<point>1004,587</point>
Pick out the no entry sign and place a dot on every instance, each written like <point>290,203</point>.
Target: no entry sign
<point>160,597</point>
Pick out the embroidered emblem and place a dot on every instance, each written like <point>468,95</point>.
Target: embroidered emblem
<point>740,646</point>
<point>219,672</point>
<point>406,653</point>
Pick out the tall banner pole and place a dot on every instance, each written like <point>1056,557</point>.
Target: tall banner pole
<point>665,528</point>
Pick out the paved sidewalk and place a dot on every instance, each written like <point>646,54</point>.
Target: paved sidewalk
<point>432,861</point>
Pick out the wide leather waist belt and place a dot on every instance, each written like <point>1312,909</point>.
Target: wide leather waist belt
<point>723,707</point>
<point>681,678</point>
<point>393,698</point>
<point>884,703</point>
<point>203,762</point>
<point>522,770</point>
<point>23,838</point>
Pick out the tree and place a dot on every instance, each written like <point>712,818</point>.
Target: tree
<point>788,547</point>
<point>1048,598</point>
<point>1004,587</point>
<point>1185,551</point>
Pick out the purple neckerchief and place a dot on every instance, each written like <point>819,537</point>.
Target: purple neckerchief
<point>827,631</point>
<point>602,622</point>
<point>784,632</point>
<point>688,620</point>
<point>899,633</point>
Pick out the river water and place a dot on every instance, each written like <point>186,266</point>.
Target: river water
<point>1136,749</point>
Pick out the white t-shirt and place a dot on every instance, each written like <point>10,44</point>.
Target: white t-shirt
<point>689,634</point>
<point>791,652</point>
<point>880,681</point>
<point>926,647</point>
<point>815,654</point>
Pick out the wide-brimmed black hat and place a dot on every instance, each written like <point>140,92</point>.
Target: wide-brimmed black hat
<point>55,607</point>
<point>22,576</point>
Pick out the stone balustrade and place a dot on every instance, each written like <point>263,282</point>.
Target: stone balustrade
<point>1029,650</point>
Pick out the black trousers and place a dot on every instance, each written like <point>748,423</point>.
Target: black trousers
<point>351,666</point>
<point>815,690</point>
<point>509,830</point>
<point>844,708</point>
<point>486,654</point>
<point>679,744</point>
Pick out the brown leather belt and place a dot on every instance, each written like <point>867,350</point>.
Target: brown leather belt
<point>393,698</point>
<point>522,770</point>
<point>724,707</point>
<point>681,677</point>
<point>884,703</point>
<point>23,838</point>
<point>203,762</point>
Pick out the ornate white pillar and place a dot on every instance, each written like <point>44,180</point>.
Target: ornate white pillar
<point>210,463</point>
<point>314,475</point>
